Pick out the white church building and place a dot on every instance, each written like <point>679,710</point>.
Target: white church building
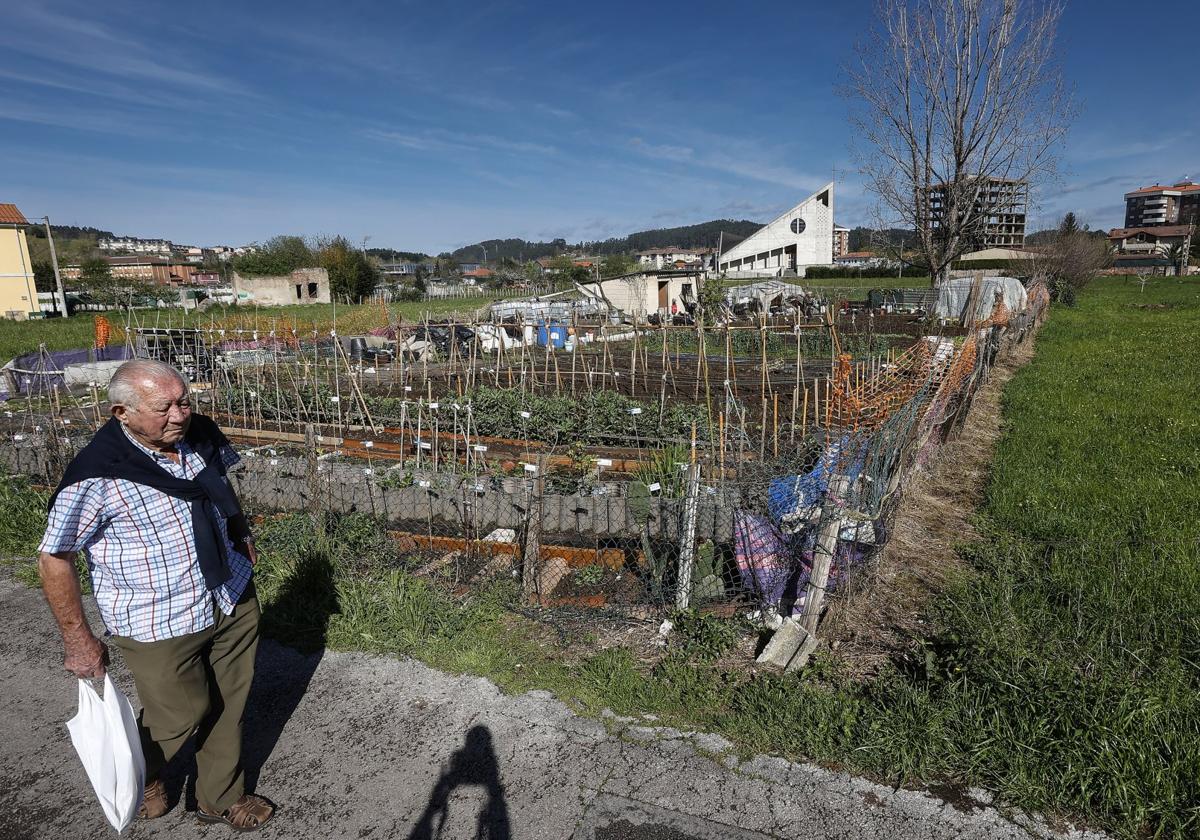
<point>801,237</point>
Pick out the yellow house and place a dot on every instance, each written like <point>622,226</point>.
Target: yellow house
<point>18,293</point>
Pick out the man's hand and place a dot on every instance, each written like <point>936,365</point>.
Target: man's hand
<point>249,552</point>
<point>86,656</point>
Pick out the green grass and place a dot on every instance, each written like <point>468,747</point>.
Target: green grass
<point>20,337</point>
<point>23,512</point>
<point>1063,673</point>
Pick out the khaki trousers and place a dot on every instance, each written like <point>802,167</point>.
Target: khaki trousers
<point>198,683</point>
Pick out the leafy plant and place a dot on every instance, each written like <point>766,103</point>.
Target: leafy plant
<point>701,637</point>
<point>589,575</point>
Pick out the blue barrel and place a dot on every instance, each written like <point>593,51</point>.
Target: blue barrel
<point>553,334</point>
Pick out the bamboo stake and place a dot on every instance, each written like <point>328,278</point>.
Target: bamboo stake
<point>804,416</point>
<point>775,423</point>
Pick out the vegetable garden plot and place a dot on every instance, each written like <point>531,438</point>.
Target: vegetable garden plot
<point>635,474</point>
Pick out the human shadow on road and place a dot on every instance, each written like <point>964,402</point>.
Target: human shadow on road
<point>474,764</point>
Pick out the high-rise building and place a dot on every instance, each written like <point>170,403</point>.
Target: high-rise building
<point>999,204</point>
<point>1178,204</point>
<point>841,241</point>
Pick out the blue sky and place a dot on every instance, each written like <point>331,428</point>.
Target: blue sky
<point>430,125</point>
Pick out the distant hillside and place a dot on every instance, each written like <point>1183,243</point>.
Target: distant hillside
<point>703,235</point>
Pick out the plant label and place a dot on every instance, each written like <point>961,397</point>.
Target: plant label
<point>655,487</point>
<point>530,468</point>
<point>369,444</point>
<point>479,447</point>
<point>635,411</point>
<point>424,483</point>
<point>604,462</point>
<point>526,415</point>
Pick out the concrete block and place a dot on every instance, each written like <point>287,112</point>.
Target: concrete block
<point>789,642</point>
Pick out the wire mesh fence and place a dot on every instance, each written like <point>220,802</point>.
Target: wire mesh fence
<point>621,469</point>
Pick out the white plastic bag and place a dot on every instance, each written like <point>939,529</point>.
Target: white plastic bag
<point>105,735</point>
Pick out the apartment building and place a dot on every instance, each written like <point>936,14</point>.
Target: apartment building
<point>1000,204</point>
<point>1178,204</point>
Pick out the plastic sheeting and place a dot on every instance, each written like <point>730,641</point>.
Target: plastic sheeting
<point>19,372</point>
<point>952,297</point>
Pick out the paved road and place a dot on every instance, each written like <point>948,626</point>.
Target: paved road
<point>374,747</point>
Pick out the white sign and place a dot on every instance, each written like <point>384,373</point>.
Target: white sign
<point>369,444</point>
<point>274,462</point>
<point>635,411</point>
<point>479,447</point>
<point>433,406</point>
<point>423,483</point>
<point>604,462</point>
<point>368,471</point>
<point>655,487</point>
<point>425,445</point>
<point>526,414</point>
<point>530,467</point>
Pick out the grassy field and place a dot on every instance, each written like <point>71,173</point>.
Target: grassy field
<point>18,337</point>
<point>1063,673</point>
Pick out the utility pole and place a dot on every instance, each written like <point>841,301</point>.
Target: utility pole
<point>61,300</point>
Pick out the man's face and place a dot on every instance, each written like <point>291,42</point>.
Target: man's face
<point>162,415</point>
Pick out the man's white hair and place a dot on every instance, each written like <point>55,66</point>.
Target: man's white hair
<point>125,387</point>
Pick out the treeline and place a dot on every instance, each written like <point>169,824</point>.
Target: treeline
<point>870,239</point>
<point>65,232</point>
<point>391,255</point>
<point>704,235</point>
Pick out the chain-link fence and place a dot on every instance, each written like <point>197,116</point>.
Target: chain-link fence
<point>638,470</point>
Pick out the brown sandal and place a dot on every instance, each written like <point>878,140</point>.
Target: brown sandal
<point>154,801</point>
<point>249,813</point>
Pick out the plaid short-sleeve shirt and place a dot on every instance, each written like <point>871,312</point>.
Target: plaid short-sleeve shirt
<point>142,553</point>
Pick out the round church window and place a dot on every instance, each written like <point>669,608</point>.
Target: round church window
<point>797,225</point>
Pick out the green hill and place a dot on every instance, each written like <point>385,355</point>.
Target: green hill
<point>703,235</point>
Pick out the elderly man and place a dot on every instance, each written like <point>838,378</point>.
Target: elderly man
<point>170,556</point>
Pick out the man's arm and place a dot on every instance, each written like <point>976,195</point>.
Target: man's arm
<point>85,655</point>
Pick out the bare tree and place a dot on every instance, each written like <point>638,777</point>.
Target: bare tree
<point>1071,260</point>
<point>957,98</point>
